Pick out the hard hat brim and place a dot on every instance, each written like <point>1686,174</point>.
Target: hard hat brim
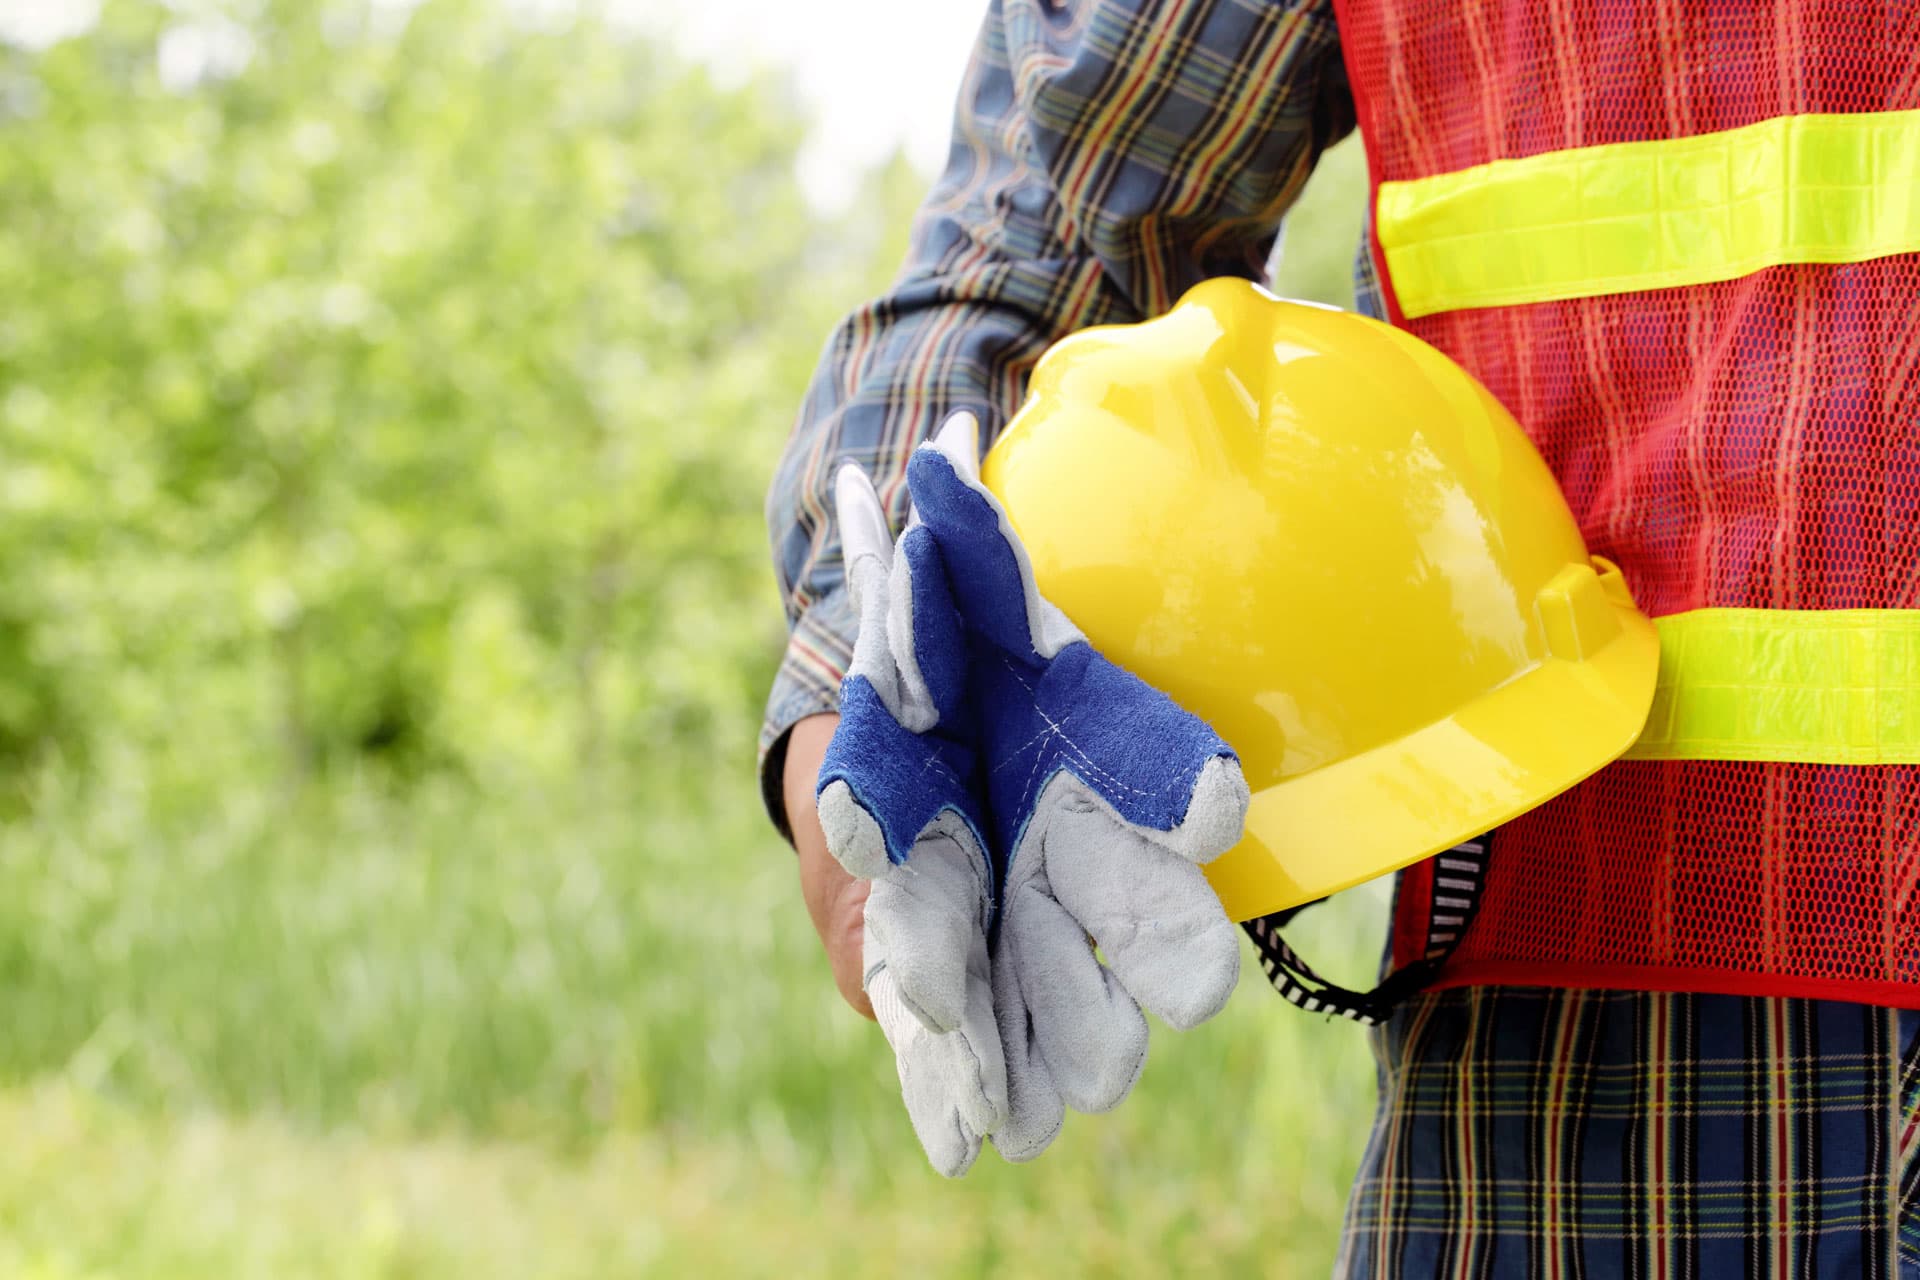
<point>1507,752</point>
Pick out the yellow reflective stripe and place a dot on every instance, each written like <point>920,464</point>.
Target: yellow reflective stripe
<point>1650,215</point>
<point>1814,686</point>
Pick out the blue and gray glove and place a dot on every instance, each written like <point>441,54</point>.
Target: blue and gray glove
<point>995,737</point>
<point>900,801</point>
<point>1104,799</point>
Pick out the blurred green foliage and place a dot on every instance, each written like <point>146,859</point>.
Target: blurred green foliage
<point>416,372</point>
<point>387,395</point>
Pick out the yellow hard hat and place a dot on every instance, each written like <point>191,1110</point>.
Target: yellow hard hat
<point>1326,539</point>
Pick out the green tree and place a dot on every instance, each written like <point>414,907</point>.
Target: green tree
<point>393,382</point>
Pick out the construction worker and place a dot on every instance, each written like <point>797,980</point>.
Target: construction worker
<point>1680,242</point>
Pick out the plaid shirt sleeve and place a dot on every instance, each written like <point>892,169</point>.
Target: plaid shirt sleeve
<point>1106,155</point>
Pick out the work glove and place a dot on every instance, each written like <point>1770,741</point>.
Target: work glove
<point>902,804</point>
<point>1103,799</point>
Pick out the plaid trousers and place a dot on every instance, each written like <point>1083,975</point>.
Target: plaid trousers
<point>1533,1132</point>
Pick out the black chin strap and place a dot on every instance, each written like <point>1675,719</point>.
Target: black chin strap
<point>1458,875</point>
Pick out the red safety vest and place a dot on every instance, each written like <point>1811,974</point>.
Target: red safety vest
<point>1681,242</point>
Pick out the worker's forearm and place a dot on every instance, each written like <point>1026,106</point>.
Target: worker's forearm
<point>836,901</point>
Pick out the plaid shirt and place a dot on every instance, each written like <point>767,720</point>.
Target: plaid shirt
<point>1526,1132</point>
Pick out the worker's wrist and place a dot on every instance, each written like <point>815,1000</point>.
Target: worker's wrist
<point>803,748</point>
<point>807,684</point>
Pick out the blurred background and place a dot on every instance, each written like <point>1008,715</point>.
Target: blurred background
<point>388,392</point>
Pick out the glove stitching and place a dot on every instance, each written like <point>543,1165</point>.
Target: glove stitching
<point>960,1035</point>
<point>1020,679</point>
<point>1028,790</point>
<point>933,761</point>
<point>982,883</point>
<point>1175,785</point>
<point>1077,750</point>
<point>1017,752</point>
<point>1055,728</point>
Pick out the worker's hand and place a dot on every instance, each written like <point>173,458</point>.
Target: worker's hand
<point>899,802</point>
<point>1105,798</point>
<point>836,901</point>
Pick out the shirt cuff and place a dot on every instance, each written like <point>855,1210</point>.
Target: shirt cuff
<point>808,683</point>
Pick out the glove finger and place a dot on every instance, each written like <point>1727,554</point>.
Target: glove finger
<point>984,1104</point>
<point>1216,814</point>
<point>958,439</point>
<point>1089,1031</point>
<point>869,552</point>
<point>864,536</point>
<point>923,918</point>
<point>1152,913</point>
<point>881,786</point>
<point>855,840</point>
<point>953,1083</point>
<point>924,633</point>
<point>908,643</point>
<point>1035,1110</point>
<point>991,576</point>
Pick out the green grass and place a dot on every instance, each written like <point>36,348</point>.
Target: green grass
<point>578,1034</point>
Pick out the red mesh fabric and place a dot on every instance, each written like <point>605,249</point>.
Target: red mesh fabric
<point>1777,879</point>
<point>1750,444</point>
<point>1444,80</point>
<point>1754,443</point>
